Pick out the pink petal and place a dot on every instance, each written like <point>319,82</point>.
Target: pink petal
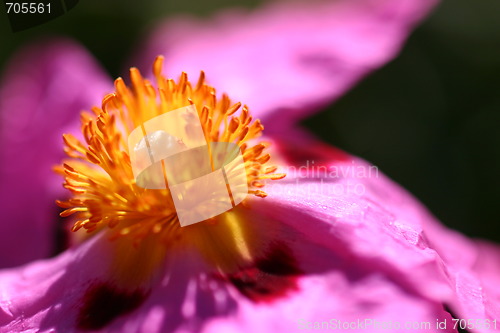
<point>45,87</point>
<point>51,295</point>
<point>75,289</point>
<point>365,304</point>
<point>291,57</point>
<point>372,219</point>
<point>75,292</point>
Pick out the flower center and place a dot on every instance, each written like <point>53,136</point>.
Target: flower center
<point>99,172</point>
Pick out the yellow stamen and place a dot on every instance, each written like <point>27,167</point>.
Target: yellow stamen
<point>99,173</point>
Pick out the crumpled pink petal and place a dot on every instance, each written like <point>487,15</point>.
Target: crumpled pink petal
<point>368,304</point>
<point>473,271</point>
<point>41,95</point>
<point>371,252</point>
<point>49,295</point>
<point>287,59</point>
<point>373,219</point>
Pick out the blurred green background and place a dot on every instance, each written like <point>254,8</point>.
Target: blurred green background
<point>430,119</point>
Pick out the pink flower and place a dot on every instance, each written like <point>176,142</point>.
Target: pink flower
<point>334,242</point>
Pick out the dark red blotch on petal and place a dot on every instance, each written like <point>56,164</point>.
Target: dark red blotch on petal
<point>102,303</point>
<point>322,154</point>
<point>271,277</point>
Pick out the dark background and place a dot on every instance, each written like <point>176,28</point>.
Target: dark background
<point>430,119</point>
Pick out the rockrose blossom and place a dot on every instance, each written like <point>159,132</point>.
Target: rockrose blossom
<point>333,245</point>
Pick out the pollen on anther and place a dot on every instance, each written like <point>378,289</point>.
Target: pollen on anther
<point>98,170</point>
